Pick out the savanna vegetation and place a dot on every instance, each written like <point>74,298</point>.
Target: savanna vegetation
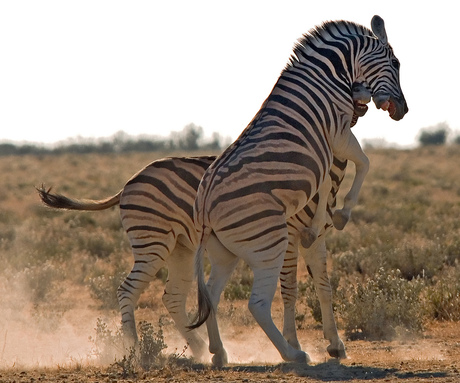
<point>395,268</point>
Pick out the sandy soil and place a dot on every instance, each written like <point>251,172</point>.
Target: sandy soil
<point>435,357</point>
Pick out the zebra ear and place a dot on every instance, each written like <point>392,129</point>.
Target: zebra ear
<point>378,27</point>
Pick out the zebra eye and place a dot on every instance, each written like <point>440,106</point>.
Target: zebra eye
<point>395,63</point>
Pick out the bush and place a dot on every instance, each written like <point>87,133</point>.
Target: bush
<point>444,296</point>
<point>108,346</point>
<point>383,307</point>
<point>151,344</point>
<point>239,287</point>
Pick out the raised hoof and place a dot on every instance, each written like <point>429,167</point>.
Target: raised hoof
<point>220,360</point>
<point>340,219</point>
<point>336,353</point>
<point>308,237</point>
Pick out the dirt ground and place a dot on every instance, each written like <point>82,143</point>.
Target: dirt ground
<point>435,357</point>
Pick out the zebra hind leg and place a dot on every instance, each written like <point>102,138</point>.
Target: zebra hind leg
<point>263,291</point>
<point>180,277</point>
<point>223,262</point>
<point>315,259</point>
<point>143,272</point>
<point>288,283</point>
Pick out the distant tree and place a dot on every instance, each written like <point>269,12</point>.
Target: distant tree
<point>216,143</point>
<point>7,149</point>
<point>189,138</point>
<point>434,135</point>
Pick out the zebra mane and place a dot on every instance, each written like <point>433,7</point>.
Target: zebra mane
<point>323,32</point>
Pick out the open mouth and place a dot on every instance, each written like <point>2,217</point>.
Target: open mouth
<point>390,106</point>
<point>360,108</point>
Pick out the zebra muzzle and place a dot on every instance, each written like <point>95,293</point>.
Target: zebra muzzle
<point>396,108</point>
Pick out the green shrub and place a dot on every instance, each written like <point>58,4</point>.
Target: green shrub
<point>151,345</point>
<point>239,287</point>
<point>382,307</point>
<point>108,348</point>
<point>444,296</point>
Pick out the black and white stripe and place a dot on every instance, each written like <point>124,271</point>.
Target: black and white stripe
<point>279,162</point>
<point>156,207</point>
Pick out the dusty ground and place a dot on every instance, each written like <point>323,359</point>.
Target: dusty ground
<point>433,358</point>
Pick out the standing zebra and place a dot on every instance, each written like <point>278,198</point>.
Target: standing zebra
<point>281,159</point>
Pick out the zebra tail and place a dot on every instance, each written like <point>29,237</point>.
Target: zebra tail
<point>204,299</point>
<point>58,201</point>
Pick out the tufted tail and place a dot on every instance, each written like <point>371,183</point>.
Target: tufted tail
<point>58,201</point>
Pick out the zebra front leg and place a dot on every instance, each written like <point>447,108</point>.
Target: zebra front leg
<point>310,234</point>
<point>180,277</point>
<point>223,262</point>
<point>315,259</point>
<point>352,152</point>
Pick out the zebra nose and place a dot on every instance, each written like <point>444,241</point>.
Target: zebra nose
<point>380,99</point>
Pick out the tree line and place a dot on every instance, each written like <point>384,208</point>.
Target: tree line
<point>190,139</point>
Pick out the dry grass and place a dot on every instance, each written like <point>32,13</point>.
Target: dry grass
<point>57,266</point>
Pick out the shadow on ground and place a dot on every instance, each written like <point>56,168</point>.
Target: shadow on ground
<point>337,372</point>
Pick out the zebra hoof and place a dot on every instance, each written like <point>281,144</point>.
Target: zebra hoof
<point>335,352</point>
<point>340,219</point>
<point>219,360</point>
<point>302,357</point>
<point>308,237</point>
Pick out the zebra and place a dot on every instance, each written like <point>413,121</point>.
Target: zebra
<point>280,160</point>
<point>162,194</point>
<point>156,204</point>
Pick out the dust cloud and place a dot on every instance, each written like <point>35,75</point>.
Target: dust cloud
<point>55,331</point>
<point>50,333</point>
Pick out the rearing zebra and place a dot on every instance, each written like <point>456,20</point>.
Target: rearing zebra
<point>281,159</point>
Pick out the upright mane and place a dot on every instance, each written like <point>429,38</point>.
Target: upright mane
<point>327,31</point>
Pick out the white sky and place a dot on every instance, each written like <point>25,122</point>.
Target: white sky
<point>92,68</point>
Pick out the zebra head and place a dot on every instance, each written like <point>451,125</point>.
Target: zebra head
<point>381,71</point>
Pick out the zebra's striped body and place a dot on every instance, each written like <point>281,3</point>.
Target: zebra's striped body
<point>156,212</point>
<point>156,204</point>
<point>156,209</point>
<point>281,159</point>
